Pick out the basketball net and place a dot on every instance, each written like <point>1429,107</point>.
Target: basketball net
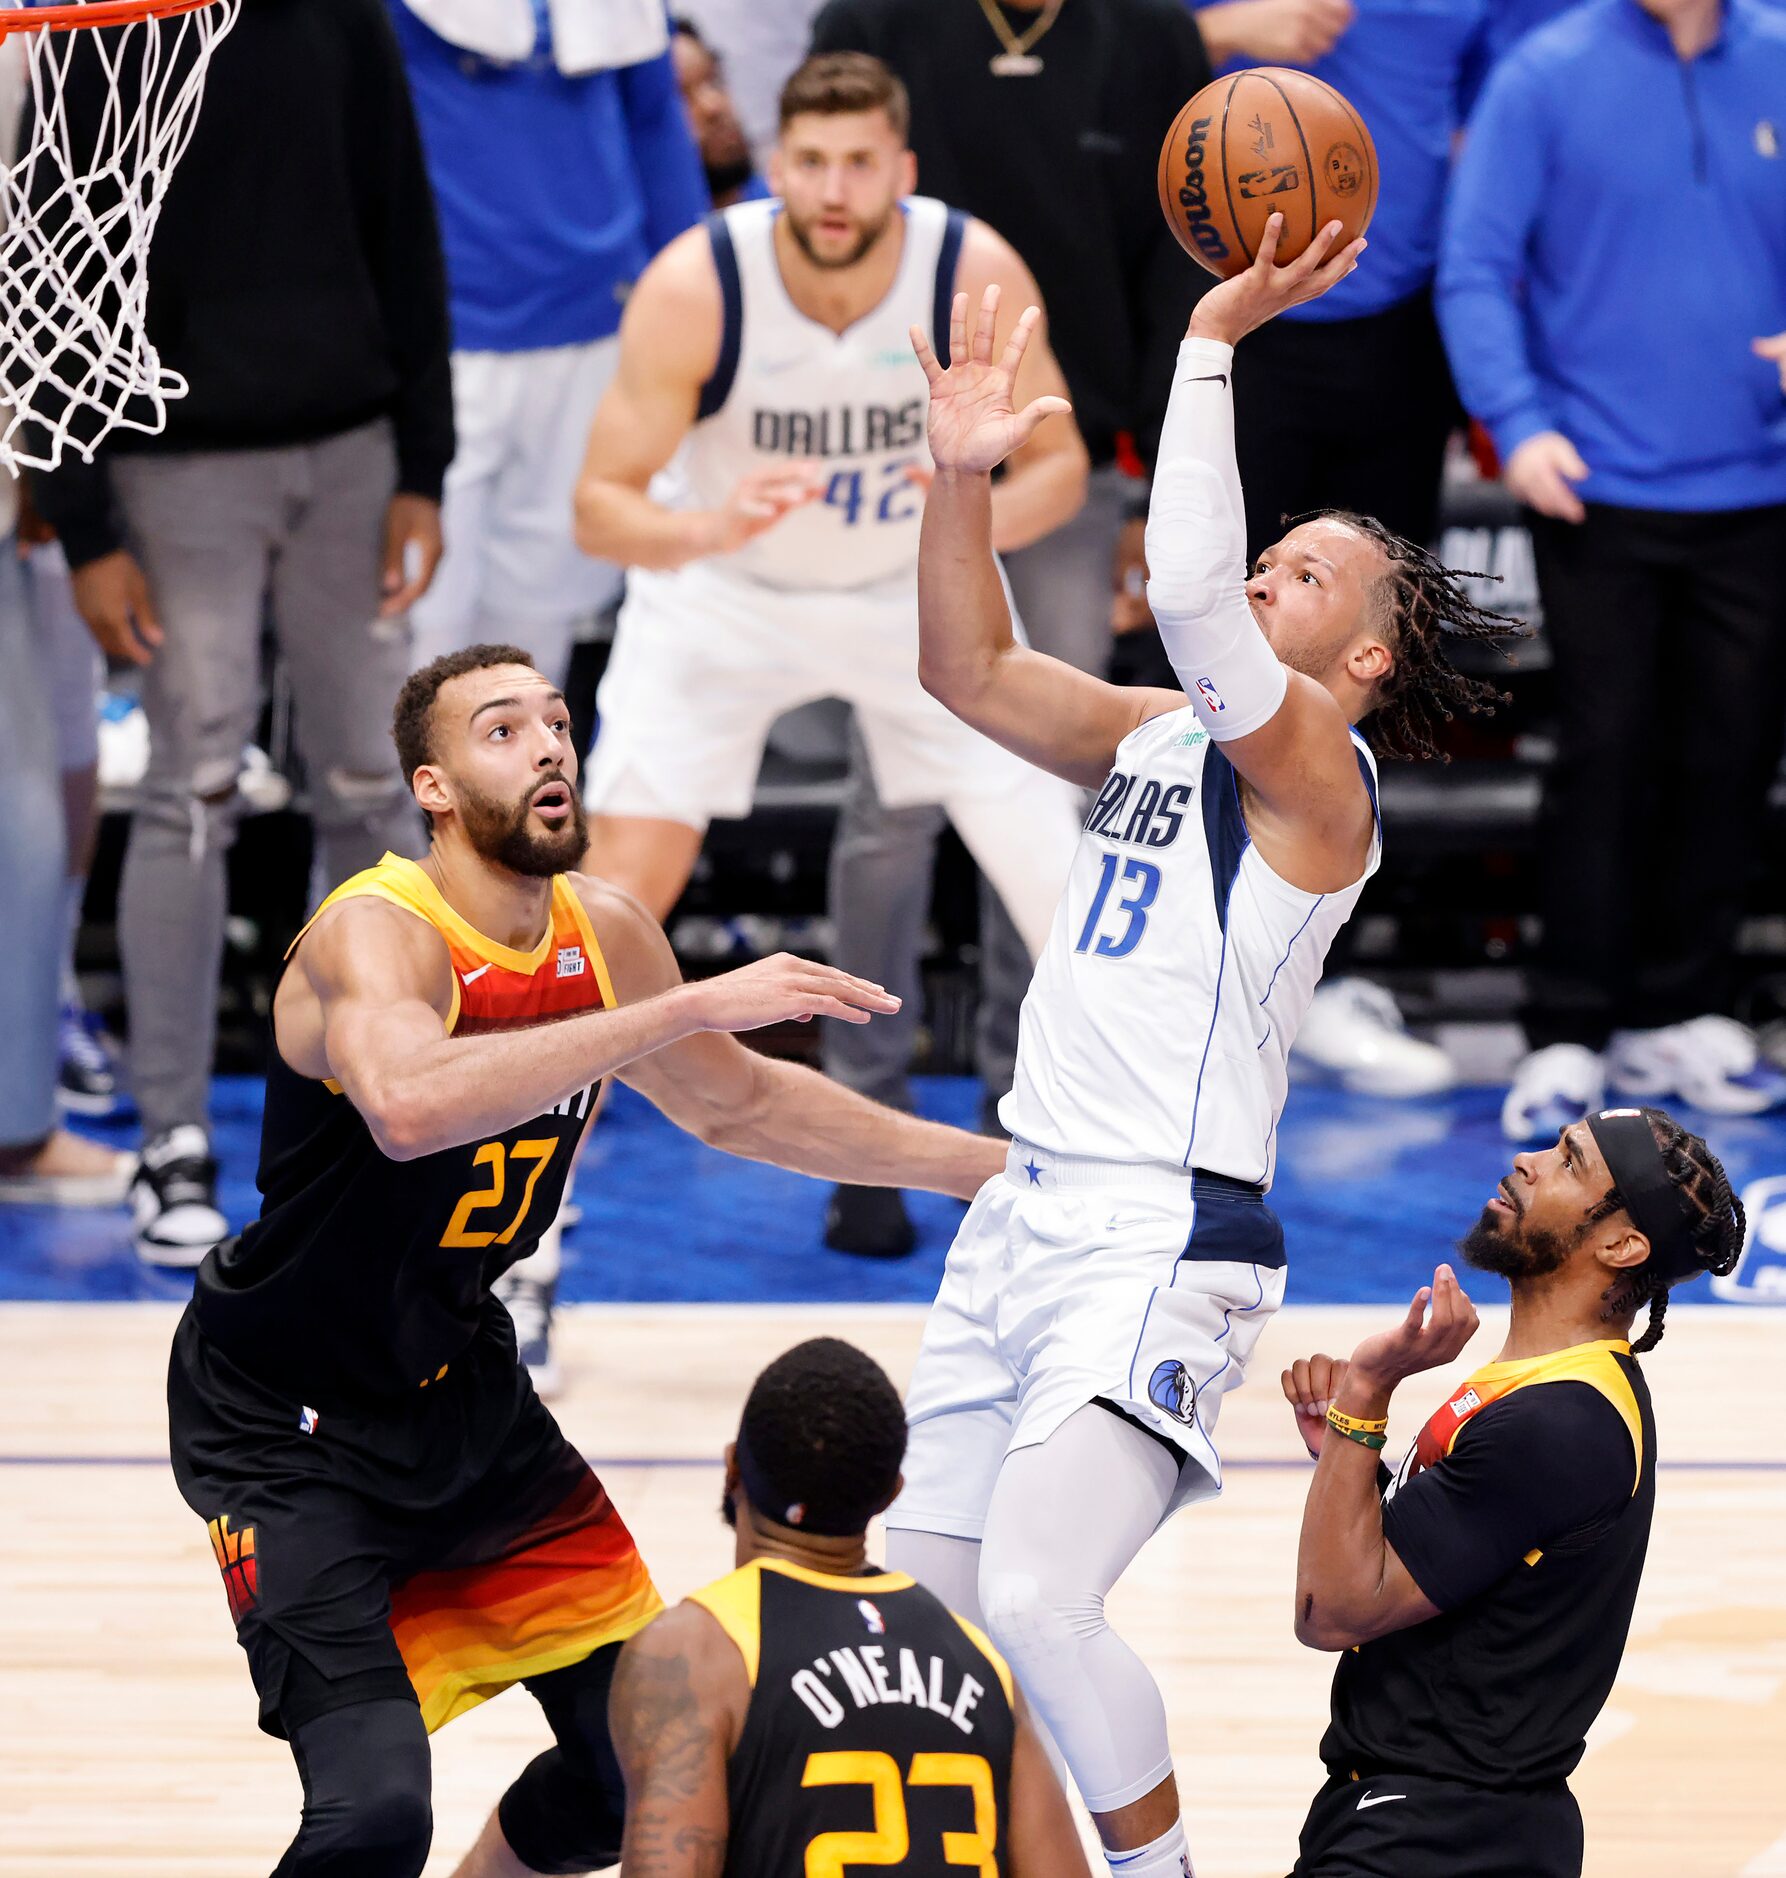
<point>79,202</point>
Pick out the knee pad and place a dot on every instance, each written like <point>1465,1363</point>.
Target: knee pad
<point>1029,1620</point>
<point>559,1820</point>
<point>367,1811</point>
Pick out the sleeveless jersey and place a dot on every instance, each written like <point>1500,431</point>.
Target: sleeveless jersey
<point>1179,967</point>
<point>363,1276</point>
<point>788,388</point>
<point>879,1731</point>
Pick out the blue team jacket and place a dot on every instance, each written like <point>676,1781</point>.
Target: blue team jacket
<point>1616,237</point>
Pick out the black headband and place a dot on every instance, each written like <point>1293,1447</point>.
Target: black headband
<point>773,1502</point>
<point>1658,1208</point>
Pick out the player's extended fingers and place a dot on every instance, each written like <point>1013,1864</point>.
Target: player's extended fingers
<point>926,357</point>
<point>1308,263</point>
<point>835,1007</point>
<point>1034,412</point>
<point>1265,261</point>
<point>1018,343</point>
<point>958,330</point>
<point>986,326</point>
<point>840,984</point>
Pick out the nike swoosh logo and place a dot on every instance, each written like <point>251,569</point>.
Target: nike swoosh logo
<point>471,978</point>
<point>1210,378</point>
<point>1382,1799</point>
<point>781,365</point>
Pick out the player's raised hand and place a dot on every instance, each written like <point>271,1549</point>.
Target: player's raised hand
<point>775,989</point>
<point>1310,1384</point>
<point>973,425</point>
<point>1236,307</point>
<point>1424,1339</point>
<point>761,498</point>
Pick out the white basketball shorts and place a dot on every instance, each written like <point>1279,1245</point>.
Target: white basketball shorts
<point>1072,1281</point>
<point>705,661</point>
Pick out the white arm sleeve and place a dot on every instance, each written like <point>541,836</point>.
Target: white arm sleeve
<point>1196,553</point>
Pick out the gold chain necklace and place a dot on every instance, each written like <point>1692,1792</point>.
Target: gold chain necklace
<point>1017,61</point>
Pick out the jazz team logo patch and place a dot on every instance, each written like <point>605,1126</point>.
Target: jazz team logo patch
<point>235,1559</point>
<point>570,962</point>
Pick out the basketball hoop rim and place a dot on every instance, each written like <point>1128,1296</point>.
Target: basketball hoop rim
<point>93,15</point>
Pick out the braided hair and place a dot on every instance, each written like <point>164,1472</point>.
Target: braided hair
<point>1718,1233</point>
<point>1423,608</point>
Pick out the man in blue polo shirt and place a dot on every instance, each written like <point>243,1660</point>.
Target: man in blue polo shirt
<point>1612,287</point>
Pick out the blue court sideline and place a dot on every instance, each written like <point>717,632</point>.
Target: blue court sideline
<point>1371,1195</point>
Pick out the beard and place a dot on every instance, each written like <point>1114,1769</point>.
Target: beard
<point>504,833</point>
<point>1512,1249</point>
<point>727,173</point>
<point>867,234</point>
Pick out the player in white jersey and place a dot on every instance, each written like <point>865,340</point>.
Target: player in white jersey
<point>1105,1293</point>
<point>759,466</point>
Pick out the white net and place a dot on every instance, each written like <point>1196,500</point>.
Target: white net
<point>107,111</point>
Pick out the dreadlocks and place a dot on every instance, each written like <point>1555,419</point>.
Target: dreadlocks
<point>1718,1232</point>
<point>1424,607</point>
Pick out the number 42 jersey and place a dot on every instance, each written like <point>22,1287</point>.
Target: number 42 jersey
<point>1179,967</point>
<point>364,1277</point>
<point>879,1732</point>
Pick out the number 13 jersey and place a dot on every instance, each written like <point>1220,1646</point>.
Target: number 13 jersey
<point>1177,972</point>
<point>788,390</point>
<point>365,1277</point>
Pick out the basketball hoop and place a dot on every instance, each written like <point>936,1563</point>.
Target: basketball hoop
<point>79,203</point>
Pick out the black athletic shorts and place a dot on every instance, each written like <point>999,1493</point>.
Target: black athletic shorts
<point>444,1545</point>
<point>1410,1826</point>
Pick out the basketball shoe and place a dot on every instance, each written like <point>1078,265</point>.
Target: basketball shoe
<point>174,1199</point>
<point>1712,1062</point>
<point>529,1293</point>
<point>1354,1035</point>
<point>1552,1088</point>
<point>87,1078</point>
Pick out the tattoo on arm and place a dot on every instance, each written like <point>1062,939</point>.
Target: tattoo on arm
<point>675,1769</point>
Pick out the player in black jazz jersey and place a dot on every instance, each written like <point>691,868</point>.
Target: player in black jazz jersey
<point>1484,1598</point>
<point>402,1528</point>
<point>811,1713</point>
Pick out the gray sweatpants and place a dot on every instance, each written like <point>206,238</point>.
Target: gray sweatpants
<point>33,926</point>
<point>882,859</point>
<point>218,534</point>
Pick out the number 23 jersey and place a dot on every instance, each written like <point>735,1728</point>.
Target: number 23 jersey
<point>879,1731</point>
<point>1177,972</point>
<point>364,1277</point>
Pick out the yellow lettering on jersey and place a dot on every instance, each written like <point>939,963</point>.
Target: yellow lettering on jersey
<point>458,1237</point>
<point>973,1849</point>
<point>888,1843</point>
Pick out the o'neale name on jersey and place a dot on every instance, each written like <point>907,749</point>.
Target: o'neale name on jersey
<point>1150,816</point>
<point>850,430</point>
<point>863,1674</point>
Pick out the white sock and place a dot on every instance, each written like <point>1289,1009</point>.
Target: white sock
<point>1167,1857</point>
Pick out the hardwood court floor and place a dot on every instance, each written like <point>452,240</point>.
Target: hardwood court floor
<point>127,1738</point>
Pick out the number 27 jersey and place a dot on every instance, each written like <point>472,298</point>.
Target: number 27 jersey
<point>1178,970</point>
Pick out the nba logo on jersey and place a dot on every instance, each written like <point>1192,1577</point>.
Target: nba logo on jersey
<point>1210,695</point>
<point>1170,1387</point>
<point>570,962</point>
<point>877,1624</point>
<point>307,1420</point>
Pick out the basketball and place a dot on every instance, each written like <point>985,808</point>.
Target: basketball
<point>1260,141</point>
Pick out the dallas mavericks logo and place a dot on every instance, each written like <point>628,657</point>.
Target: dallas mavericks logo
<point>1759,1276</point>
<point>1170,1388</point>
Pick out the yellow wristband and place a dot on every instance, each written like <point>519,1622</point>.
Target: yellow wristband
<point>1355,1425</point>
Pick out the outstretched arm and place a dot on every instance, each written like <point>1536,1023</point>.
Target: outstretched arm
<point>763,1109</point>
<point>380,990</point>
<point>669,1713</point>
<point>1048,713</point>
<point>1282,730</point>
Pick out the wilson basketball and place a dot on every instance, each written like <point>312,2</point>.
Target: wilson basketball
<point>1259,142</point>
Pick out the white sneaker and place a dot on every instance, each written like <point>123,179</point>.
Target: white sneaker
<point>1712,1062</point>
<point>174,1199</point>
<point>1354,1034</point>
<point>1552,1088</point>
<point>529,1301</point>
